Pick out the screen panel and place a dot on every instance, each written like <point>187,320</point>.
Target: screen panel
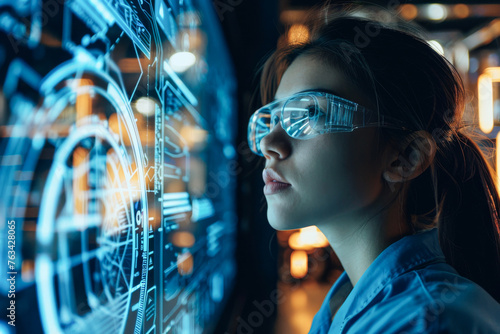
<point>118,138</point>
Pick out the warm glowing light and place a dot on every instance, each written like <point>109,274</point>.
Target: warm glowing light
<point>295,243</point>
<point>436,12</point>
<point>185,263</point>
<point>461,11</point>
<point>312,235</point>
<point>408,11</point>
<point>307,238</point>
<point>28,270</point>
<point>301,321</point>
<point>436,46</point>
<point>193,136</point>
<point>298,299</point>
<point>298,264</point>
<point>83,103</point>
<point>116,125</point>
<point>495,28</point>
<point>198,178</point>
<point>133,65</point>
<point>298,34</point>
<point>485,97</point>
<point>191,39</point>
<point>145,106</point>
<point>181,61</point>
<point>485,102</point>
<point>494,72</point>
<point>183,239</point>
<point>80,181</point>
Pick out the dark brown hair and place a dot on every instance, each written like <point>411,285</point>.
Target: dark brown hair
<point>406,79</point>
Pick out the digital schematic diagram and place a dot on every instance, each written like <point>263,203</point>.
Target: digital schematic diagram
<point>85,171</point>
<point>117,137</point>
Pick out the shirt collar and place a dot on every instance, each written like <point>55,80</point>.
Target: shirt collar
<point>401,256</point>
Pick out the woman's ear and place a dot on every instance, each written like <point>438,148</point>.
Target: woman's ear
<point>411,159</point>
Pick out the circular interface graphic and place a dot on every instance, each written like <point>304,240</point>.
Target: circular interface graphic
<point>84,158</point>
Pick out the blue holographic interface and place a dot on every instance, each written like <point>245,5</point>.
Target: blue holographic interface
<point>117,210</point>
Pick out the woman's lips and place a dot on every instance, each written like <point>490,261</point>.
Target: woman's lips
<point>275,187</point>
<point>270,175</point>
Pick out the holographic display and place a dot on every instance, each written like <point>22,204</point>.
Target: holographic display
<point>117,210</point>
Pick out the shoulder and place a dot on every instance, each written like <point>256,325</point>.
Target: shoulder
<point>458,304</point>
<point>432,301</point>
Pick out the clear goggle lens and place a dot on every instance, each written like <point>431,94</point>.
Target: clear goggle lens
<point>306,115</point>
<point>303,116</point>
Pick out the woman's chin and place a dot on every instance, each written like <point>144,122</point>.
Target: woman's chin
<point>282,223</point>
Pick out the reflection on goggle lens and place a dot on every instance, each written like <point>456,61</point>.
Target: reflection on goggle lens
<point>306,115</point>
<point>301,116</point>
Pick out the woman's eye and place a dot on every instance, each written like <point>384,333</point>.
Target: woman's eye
<point>311,112</point>
<point>275,120</point>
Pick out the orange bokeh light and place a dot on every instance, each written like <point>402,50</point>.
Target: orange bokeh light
<point>461,10</point>
<point>485,97</point>
<point>307,238</point>
<point>298,34</point>
<point>408,11</point>
<point>183,239</point>
<point>298,264</point>
<point>185,263</point>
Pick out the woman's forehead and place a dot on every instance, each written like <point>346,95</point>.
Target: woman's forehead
<point>309,73</point>
<point>306,73</point>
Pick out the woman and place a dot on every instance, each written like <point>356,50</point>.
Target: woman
<point>365,139</point>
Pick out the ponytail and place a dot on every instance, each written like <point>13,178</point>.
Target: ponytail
<point>466,213</point>
<point>469,231</point>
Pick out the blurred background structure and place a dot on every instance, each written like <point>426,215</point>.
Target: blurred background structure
<point>127,182</point>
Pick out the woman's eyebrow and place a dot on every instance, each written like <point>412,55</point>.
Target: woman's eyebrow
<point>321,90</point>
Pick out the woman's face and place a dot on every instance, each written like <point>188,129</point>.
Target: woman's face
<point>333,176</point>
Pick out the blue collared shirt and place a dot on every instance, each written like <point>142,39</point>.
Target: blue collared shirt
<point>409,288</point>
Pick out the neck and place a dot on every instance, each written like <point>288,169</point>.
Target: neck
<point>357,240</point>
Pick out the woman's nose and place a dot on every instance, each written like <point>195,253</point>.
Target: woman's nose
<point>276,144</point>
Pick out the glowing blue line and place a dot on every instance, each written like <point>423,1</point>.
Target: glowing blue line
<point>118,229</point>
<point>19,69</point>
<point>103,11</point>
<point>77,223</point>
<point>171,268</point>
<point>65,280</point>
<point>185,208</point>
<point>64,265</point>
<point>171,203</point>
<point>140,76</point>
<point>202,208</point>
<point>115,244</point>
<point>179,83</point>
<point>125,24</point>
<point>175,195</point>
<point>48,313</point>
<point>183,150</point>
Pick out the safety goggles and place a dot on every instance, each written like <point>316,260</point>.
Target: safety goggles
<point>309,114</point>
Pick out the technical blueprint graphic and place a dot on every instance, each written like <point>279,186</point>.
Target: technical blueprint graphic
<point>118,127</point>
